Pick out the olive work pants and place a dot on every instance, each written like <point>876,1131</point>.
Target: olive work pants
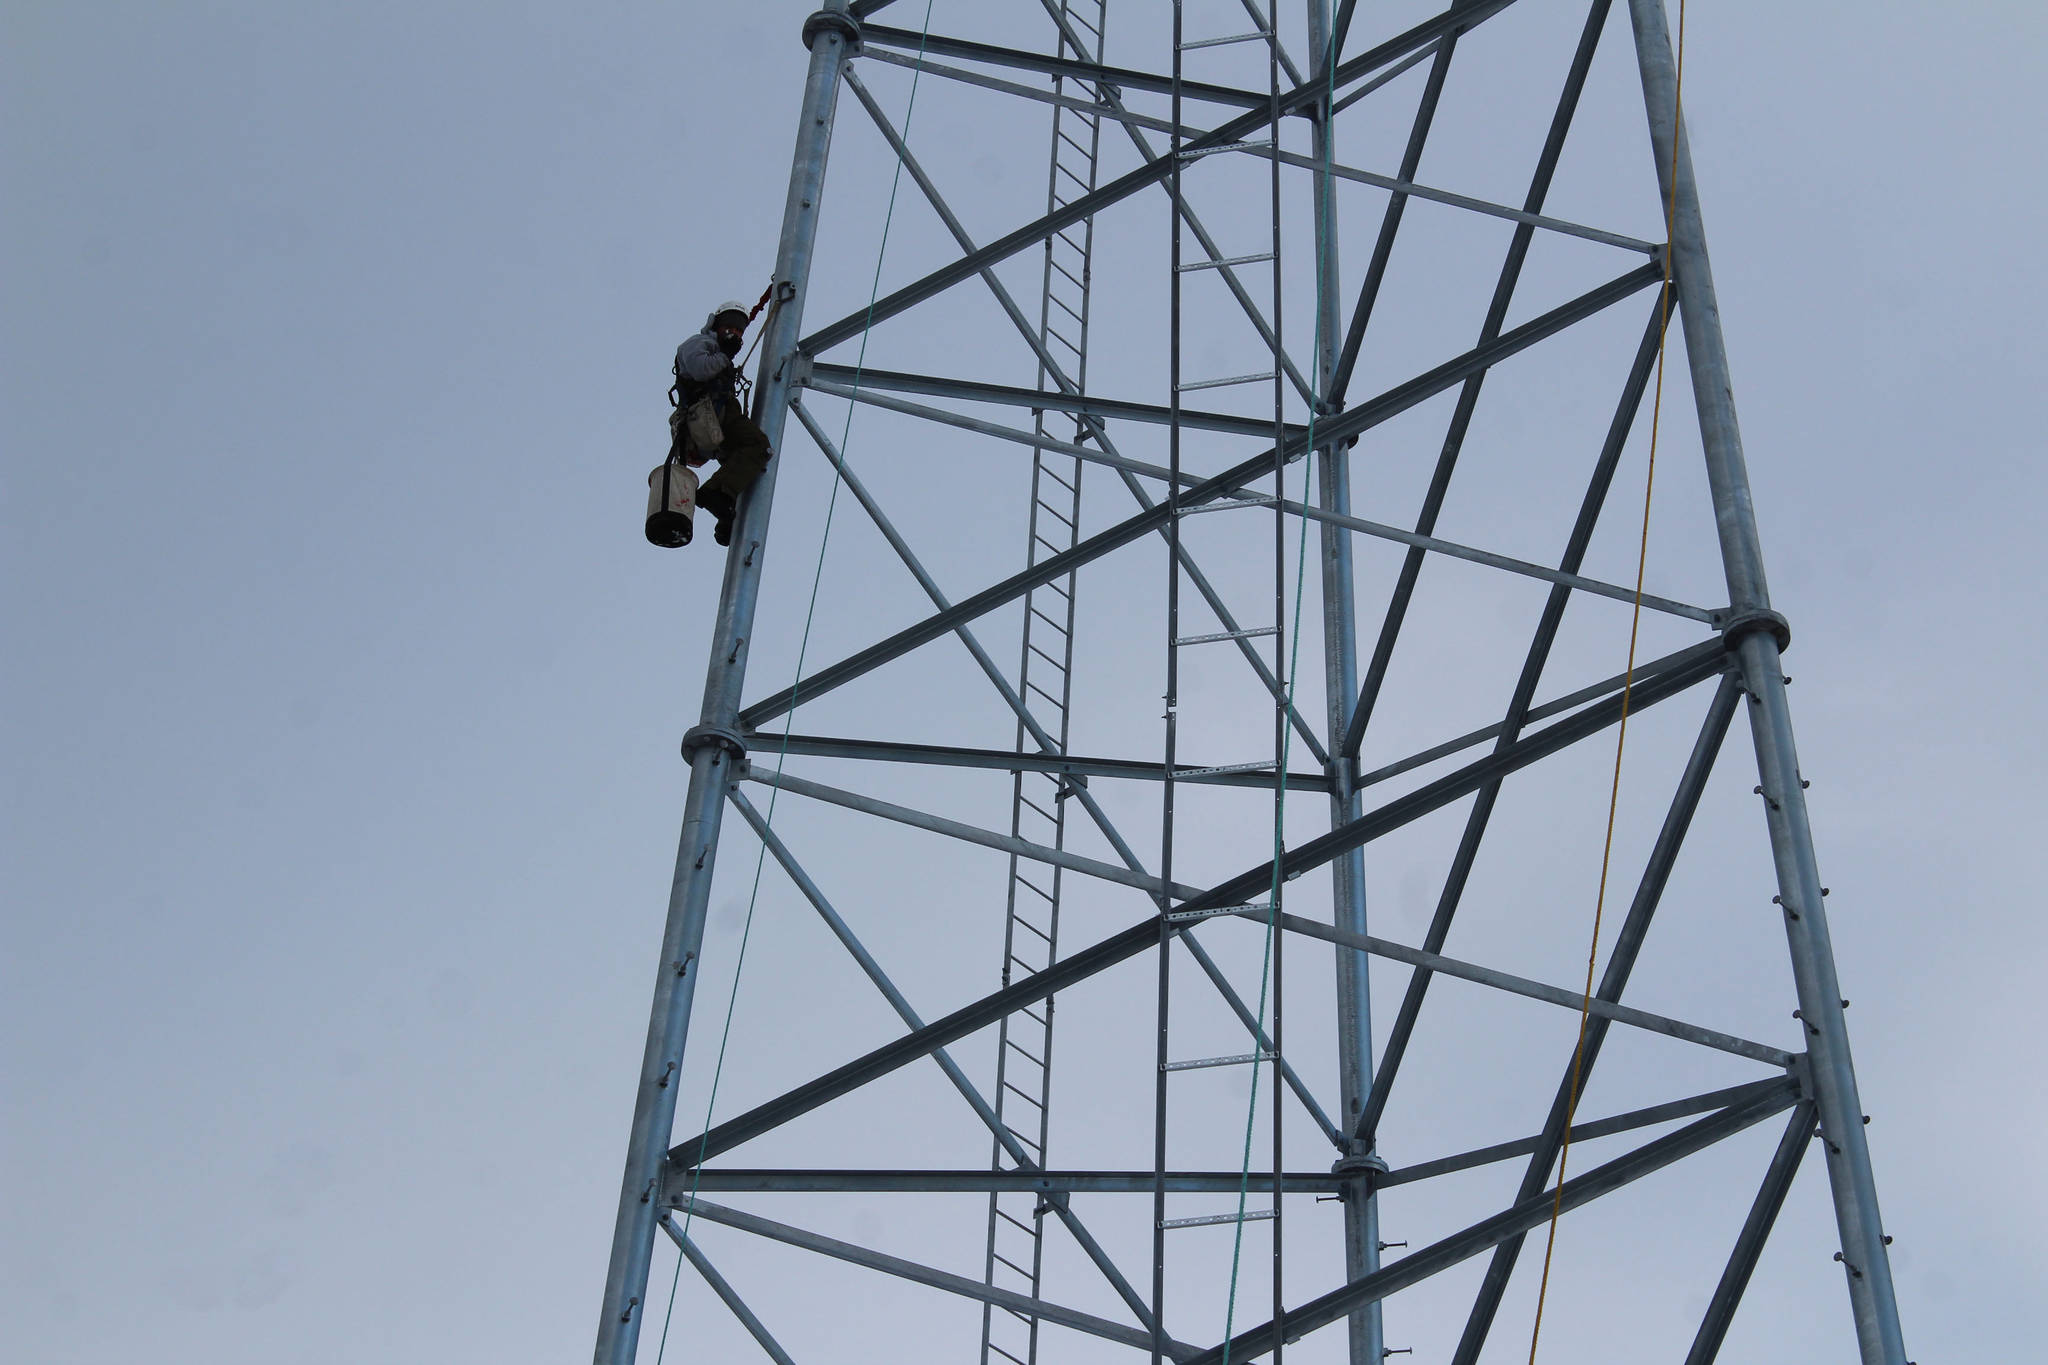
<point>741,456</point>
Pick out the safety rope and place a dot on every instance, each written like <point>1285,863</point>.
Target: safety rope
<point>803,646</point>
<point>1571,1107</point>
<point>1286,730</point>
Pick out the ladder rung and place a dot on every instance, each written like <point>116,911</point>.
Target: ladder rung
<point>1052,511</point>
<point>1061,134</point>
<point>1062,269</point>
<point>1222,261</point>
<point>1204,1062</point>
<point>1048,658</point>
<point>1035,887</point>
<point>1228,635</point>
<point>1226,768</point>
<point>1035,929</point>
<point>1048,620</point>
<point>1029,1015</point>
<point>1197,153</point>
<point>1018,1316</point>
<point>1061,304</point>
<point>1217,383</point>
<point>1078,247</point>
<point>1004,1354</point>
<point>1061,167</point>
<point>1026,1228</point>
<point>1258,36</point>
<point>1184,916</point>
<point>1056,478</point>
<point>1049,816</point>
<point>1055,548</point>
<point>1035,1104</point>
<point>1060,337</point>
<point>1034,687</point>
<point>1248,1216</point>
<point>1019,1049</point>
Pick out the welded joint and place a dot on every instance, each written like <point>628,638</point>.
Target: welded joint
<point>723,737</point>
<point>833,21</point>
<point>1737,624</point>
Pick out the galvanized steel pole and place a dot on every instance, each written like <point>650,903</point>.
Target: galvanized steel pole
<point>1757,634</point>
<point>1365,1330</point>
<point>714,744</point>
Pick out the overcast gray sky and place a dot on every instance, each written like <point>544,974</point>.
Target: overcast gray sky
<point>344,693</point>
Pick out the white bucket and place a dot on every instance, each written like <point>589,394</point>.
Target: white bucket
<point>671,505</point>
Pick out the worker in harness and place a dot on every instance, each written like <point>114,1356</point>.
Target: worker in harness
<point>709,386</point>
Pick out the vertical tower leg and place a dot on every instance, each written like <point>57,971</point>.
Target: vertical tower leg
<point>712,746</point>
<point>1340,667</point>
<point>1757,634</point>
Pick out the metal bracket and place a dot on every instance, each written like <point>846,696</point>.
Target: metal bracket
<point>1800,1069</point>
<point>845,25</point>
<point>1741,623</point>
<point>726,738</point>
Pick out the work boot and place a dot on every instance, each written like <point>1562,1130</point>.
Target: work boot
<point>720,505</point>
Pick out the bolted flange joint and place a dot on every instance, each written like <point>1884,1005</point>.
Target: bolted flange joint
<point>724,737</point>
<point>1741,623</point>
<point>1365,1166</point>
<point>834,21</point>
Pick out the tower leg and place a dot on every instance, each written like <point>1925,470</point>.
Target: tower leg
<point>1754,633</point>
<point>1367,1337</point>
<point>714,745</point>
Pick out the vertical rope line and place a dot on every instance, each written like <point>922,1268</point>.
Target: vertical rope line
<point>803,646</point>
<point>1571,1107</point>
<point>1287,731</point>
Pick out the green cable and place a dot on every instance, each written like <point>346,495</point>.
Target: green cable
<point>1286,744</point>
<point>810,614</point>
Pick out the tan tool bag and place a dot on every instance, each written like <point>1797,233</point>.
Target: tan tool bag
<point>702,434</point>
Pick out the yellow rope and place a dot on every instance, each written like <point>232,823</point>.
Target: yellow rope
<point>1571,1107</point>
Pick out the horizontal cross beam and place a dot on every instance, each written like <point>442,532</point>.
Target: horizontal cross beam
<point>1124,78</point>
<point>750,1180</point>
<point>1065,765</point>
<point>1047,400</point>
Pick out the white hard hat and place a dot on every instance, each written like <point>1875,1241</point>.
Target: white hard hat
<point>729,306</point>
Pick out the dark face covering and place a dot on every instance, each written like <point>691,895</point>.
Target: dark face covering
<point>729,342</point>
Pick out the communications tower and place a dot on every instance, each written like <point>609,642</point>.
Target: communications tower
<point>1267,718</point>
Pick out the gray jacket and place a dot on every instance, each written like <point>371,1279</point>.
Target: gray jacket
<point>699,361</point>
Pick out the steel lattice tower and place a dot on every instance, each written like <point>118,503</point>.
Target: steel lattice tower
<point>1193,399</point>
